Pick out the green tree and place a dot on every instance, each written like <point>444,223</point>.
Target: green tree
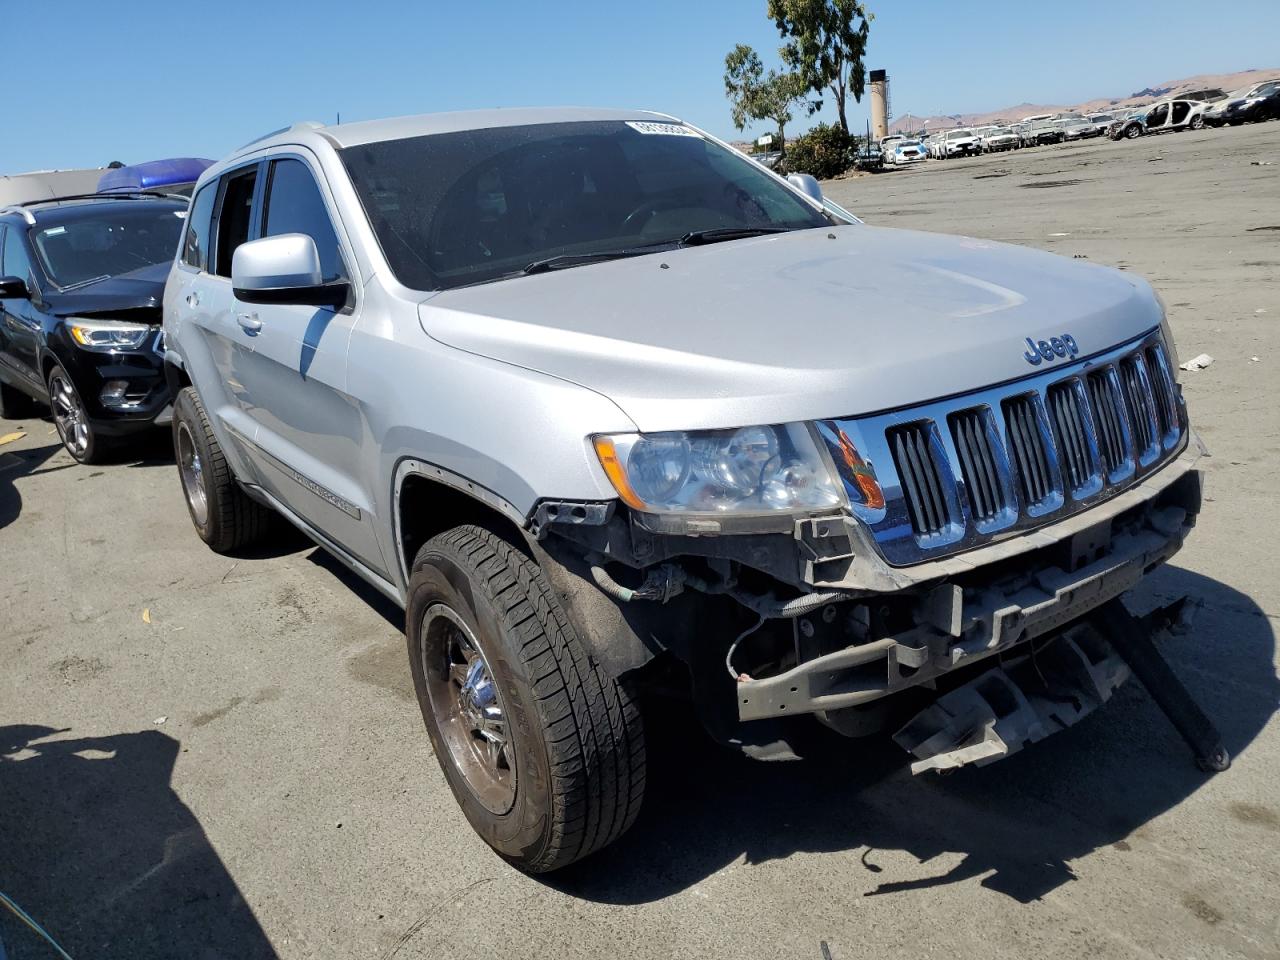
<point>826,41</point>
<point>755,95</point>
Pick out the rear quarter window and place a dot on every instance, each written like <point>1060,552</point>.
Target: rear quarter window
<point>195,239</point>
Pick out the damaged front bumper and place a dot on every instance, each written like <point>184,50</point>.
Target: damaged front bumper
<point>973,606</point>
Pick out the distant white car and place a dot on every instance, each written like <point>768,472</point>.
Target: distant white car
<point>959,143</point>
<point>1000,138</point>
<point>1076,127</point>
<point>888,143</point>
<point>906,152</point>
<point>1102,122</point>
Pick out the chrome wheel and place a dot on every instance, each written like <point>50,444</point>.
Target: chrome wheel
<point>467,708</point>
<point>192,472</point>
<point>69,415</point>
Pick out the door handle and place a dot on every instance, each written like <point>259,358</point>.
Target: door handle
<point>249,323</point>
<point>193,299</point>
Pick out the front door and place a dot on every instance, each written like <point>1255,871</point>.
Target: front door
<point>1158,117</point>
<point>292,369</point>
<point>19,318</point>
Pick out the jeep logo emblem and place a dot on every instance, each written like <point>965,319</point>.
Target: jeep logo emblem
<point>1051,349</point>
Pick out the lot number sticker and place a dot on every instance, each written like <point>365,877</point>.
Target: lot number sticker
<point>664,129</point>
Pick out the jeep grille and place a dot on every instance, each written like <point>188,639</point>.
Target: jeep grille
<point>961,472</point>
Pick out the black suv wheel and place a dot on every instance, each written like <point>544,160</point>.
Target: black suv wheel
<point>543,750</point>
<point>69,416</point>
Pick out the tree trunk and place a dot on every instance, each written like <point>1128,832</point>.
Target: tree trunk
<point>839,92</point>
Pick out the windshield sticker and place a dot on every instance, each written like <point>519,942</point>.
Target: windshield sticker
<point>180,214</point>
<point>664,129</point>
<point>55,231</point>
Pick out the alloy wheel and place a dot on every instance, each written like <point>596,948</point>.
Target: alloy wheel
<point>69,416</point>
<point>467,707</point>
<point>191,469</point>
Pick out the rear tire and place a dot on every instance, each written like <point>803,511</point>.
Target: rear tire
<point>543,750</point>
<point>14,404</point>
<point>1196,123</point>
<point>224,516</point>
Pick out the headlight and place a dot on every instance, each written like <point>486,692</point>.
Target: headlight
<point>108,336</point>
<point>750,471</point>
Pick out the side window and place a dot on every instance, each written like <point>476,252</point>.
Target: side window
<point>294,205</point>
<point>233,218</point>
<point>195,241</point>
<point>15,262</point>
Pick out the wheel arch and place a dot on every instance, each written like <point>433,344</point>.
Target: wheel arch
<point>427,500</point>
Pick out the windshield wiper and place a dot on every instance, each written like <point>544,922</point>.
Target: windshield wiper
<point>718,234</point>
<point>579,259</point>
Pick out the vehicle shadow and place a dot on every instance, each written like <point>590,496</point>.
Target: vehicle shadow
<point>14,465</point>
<point>1018,823</point>
<point>96,846</point>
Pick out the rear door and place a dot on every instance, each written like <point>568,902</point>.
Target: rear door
<point>292,374</point>
<point>19,318</point>
<point>1180,110</point>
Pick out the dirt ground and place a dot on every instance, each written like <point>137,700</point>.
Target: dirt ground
<point>215,758</point>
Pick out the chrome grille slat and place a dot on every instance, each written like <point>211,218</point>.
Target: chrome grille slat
<point>1028,450</point>
<point>958,472</point>
<point>1163,386</point>
<point>919,474</point>
<point>1069,432</point>
<point>1108,415</point>
<point>1142,407</point>
<point>977,463</point>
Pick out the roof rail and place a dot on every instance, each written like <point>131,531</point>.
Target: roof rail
<point>300,125</point>
<point>21,211</point>
<point>115,195</point>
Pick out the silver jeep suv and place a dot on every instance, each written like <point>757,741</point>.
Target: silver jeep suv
<point>607,407</point>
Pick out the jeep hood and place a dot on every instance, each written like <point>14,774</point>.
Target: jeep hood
<point>797,326</point>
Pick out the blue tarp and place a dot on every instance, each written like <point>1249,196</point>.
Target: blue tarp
<point>153,174</point>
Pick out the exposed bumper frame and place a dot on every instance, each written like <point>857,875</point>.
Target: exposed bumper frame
<point>958,627</point>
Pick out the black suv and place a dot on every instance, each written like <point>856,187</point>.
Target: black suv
<point>81,282</point>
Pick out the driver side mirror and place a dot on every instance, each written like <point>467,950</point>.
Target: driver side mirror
<point>14,288</point>
<point>806,185</point>
<point>285,270</point>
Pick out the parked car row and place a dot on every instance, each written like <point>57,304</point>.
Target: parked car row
<point>1192,111</point>
<point>522,371</point>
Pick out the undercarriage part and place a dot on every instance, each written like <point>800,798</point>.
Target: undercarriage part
<point>957,626</point>
<point>1131,637</point>
<point>667,580</point>
<point>1024,700</point>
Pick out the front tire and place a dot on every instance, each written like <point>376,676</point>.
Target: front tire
<point>543,750</point>
<point>69,416</point>
<point>1134,132</point>
<point>224,516</point>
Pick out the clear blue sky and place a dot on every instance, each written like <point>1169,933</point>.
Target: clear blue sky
<point>88,81</point>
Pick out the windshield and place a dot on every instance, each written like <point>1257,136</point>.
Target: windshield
<point>451,209</point>
<point>1001,132</point>
<point>115,240</point>
<point>954,134</point>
